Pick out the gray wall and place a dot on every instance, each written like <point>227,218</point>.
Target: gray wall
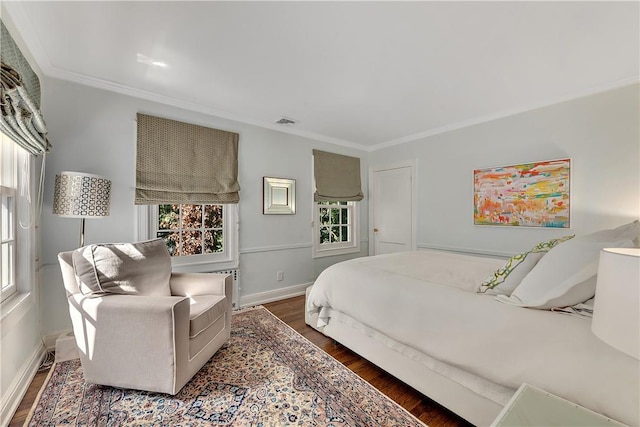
<point>93,131</point>
<point>600,133</point>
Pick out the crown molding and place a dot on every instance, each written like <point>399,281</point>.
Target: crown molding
<point>506,113</point>
<point>82,79</point>
<point>191,106</point>
<point>14,16</point>
<point>19,19</point>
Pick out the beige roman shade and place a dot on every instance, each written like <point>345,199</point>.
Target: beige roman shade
<point>337,177</point>
<point>20,115</point>
<point>179,162</point>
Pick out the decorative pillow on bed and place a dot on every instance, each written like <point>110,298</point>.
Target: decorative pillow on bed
<point>505,279</point>
<point>566,275</point>
<point>142,268</point>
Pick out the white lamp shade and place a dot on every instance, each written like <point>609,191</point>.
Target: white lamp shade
<point>81,195</point>
<point>616,310</point>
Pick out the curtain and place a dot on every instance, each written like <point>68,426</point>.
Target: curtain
<point>179,162</point>
<point>337,177</point>
<point>20,118</point>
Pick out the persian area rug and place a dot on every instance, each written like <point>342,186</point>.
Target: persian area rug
<point>268,375</point>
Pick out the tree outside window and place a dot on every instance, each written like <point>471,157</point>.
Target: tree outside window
<point>334,222</point>
<point>191,229</point>
<point>335,228</point>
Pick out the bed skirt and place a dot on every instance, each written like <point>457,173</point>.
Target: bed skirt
<point>469,404</point>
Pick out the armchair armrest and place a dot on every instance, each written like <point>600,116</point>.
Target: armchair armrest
<point>187,284</point>
<point>115,334</point>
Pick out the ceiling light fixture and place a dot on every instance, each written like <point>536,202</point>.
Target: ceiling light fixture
<point>143,59</point>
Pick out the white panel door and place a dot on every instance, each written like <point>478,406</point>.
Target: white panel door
<point>392,210</point>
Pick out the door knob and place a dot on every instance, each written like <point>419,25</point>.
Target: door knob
<point>375,230</point>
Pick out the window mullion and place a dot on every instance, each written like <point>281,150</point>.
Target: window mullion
<point>224,231</point>
<point>202,237</point>
<point>180,233</point>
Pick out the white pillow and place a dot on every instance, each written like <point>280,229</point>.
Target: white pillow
<point>505,279</point>
<point>566,275</point>
<point>142,268</point>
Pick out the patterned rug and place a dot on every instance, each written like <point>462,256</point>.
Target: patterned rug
<point>268,375</point>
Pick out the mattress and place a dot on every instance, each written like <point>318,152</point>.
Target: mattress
<point>425,302</point>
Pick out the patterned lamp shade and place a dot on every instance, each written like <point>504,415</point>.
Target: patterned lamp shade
<point>81,195</point>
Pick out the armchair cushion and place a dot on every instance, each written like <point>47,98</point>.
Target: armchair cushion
<point>204,311</point>
<point>142,268</point>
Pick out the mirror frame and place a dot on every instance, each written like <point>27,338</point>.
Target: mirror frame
<point>278,196</point>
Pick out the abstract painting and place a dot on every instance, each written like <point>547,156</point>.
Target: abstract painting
<point>530,194</point>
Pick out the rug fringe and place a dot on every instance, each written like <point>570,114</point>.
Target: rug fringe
<point>37,399</point>
<point>248,308</point>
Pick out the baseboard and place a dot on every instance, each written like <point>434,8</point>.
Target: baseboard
<point>275,295</point>
<point>50,340</point>
<point>11,400</point>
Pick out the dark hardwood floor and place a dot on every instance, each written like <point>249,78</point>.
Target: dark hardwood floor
<point>291,311</point>
<point>29,398</point>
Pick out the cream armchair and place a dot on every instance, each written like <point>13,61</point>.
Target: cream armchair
<point>146,342</point>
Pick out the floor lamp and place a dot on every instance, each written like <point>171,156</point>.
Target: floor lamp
<point>78,195</point>
<point>81,195</point>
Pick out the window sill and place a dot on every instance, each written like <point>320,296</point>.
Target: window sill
<point>14,306</point>
<point>335,252</point>
<point>202,266</point>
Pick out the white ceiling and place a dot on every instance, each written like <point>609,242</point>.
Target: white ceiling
<point>363,74</point>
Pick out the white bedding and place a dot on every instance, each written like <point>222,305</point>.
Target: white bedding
<point>426,301</point>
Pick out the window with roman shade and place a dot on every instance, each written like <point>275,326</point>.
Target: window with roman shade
<point>183,163</point>
<point>23,136</point>
<point>337,177</point>
<point>20,118</point>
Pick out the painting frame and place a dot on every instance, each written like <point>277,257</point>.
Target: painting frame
<point>532,194</point>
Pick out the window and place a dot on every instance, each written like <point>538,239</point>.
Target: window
<point>10,156</point>
<point>191,229</point>
<point>335,228</point>
<point>196,234</point>
<point>8,242</point>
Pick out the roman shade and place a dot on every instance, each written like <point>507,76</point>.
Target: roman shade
<point>337,177</point>
<point>179,162</point>
<point>20,118</point>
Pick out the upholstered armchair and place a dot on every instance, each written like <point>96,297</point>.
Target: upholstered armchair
<point>138,325</point>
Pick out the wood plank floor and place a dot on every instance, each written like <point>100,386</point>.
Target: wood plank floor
<point>291,311</point>
<point>29,398</point>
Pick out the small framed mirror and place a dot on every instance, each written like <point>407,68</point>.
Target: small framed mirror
<point>278,196</point>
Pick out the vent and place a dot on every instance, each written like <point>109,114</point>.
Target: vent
<point>285,121</point>
<point>235,303</point>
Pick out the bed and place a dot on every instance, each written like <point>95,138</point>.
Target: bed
<point>419,316</point>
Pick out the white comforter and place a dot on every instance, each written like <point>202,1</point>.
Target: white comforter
<point>426,300</point>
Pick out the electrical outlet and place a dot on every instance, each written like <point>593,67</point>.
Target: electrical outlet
<point>280,276</point>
